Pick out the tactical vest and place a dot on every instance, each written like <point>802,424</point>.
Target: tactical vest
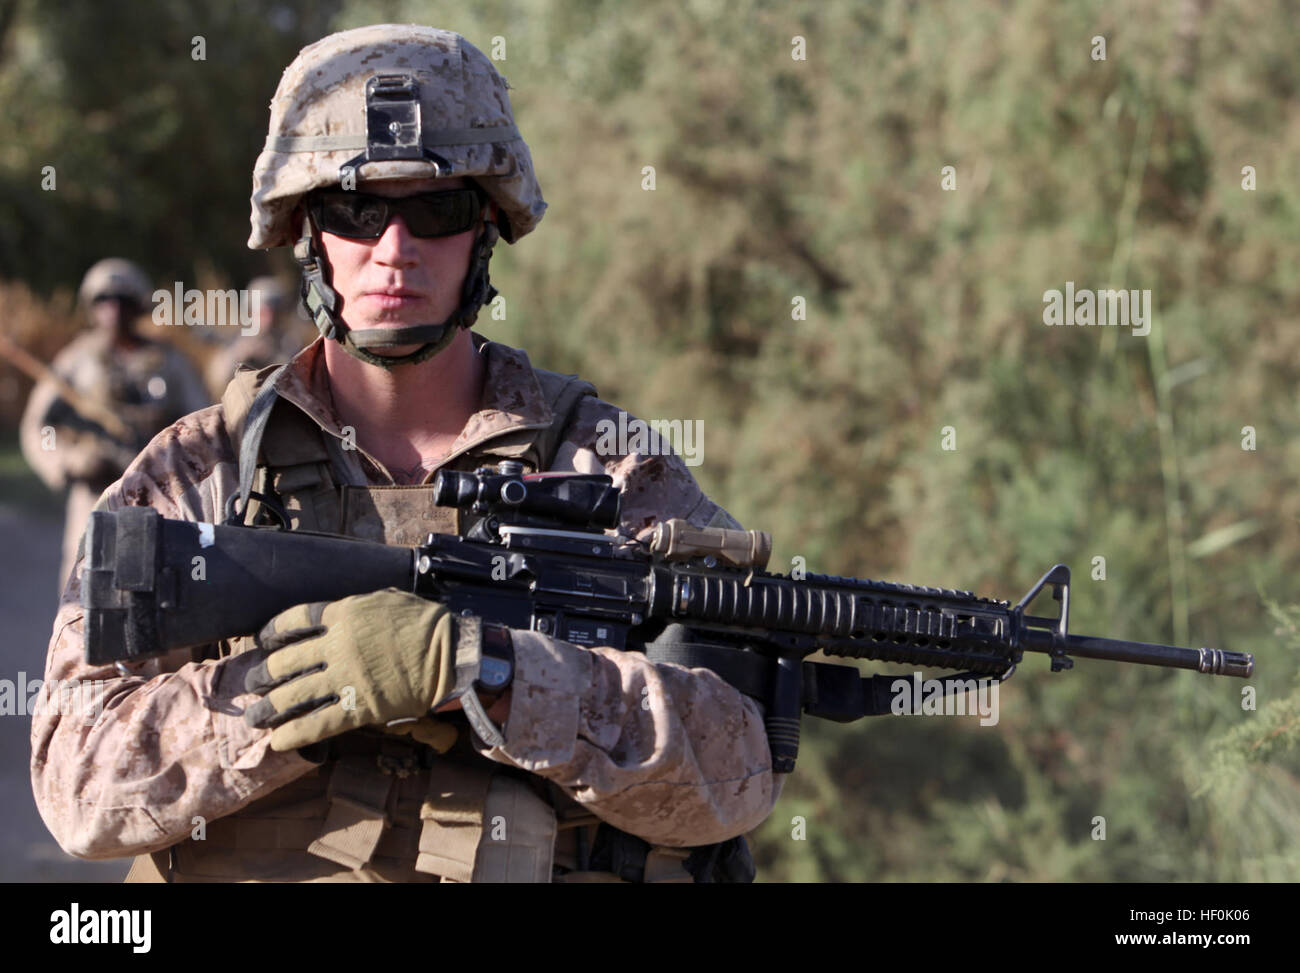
<point>382,807</point>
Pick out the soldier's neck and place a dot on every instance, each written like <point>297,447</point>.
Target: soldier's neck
<point>408,417</point>
<point>123,337</point>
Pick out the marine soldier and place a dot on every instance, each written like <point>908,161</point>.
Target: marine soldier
<point>280,335</point>
<point>146,384</point>
<point>392,167</point>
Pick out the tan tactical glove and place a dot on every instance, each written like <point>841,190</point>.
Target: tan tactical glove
<point>428,730</point>
<point>336,666</point>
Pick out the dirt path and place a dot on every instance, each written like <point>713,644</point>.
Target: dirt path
<point>30,546</point>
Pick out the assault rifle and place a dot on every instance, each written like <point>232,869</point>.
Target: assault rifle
<point>532,554</point>
<point>71,404</point>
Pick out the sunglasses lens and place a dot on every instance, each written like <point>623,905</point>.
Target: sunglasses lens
<point>352,215</point>
<point>441,214</point>
<point>356,215</point>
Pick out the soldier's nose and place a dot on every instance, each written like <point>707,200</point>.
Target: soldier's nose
<point>397,245</point>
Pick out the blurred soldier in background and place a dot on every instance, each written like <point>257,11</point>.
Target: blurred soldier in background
<point>146,384</point>
<point>281,334</point>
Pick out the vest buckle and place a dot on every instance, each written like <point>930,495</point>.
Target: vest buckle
<point>400,766</point>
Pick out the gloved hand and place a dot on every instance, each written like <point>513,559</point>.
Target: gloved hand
<point>336,666</point>
<point>95,459</point>
<point>432,732</point>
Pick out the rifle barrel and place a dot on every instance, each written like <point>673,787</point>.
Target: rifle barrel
<point>1216,662</point>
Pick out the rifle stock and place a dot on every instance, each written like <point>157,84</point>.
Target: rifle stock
<point>152,585</point>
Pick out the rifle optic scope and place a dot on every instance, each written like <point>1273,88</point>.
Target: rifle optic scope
<point>567,500</point>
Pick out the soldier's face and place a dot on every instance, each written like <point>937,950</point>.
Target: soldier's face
<point>112,313</point>
<point>399,279</point>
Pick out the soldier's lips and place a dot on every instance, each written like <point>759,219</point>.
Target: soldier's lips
<point>390,300</point>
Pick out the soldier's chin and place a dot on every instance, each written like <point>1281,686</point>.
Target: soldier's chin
<point>391,351</point>
<point>395,351</point>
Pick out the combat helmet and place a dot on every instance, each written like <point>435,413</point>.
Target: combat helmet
<point>272,292</point>
<point>383,102</point>
<point>116,277</point>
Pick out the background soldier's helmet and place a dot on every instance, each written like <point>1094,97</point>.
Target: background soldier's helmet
<point>115,277</point>
<point>319,124</point>
<point>271,293</point>
<point>391,102</point>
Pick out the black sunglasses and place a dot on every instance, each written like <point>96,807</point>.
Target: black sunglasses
<point>361,216</point>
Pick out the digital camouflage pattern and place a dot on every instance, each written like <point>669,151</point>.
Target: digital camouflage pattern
<point>322,94</point>
<point>147,386</point>
<point>675,756</point>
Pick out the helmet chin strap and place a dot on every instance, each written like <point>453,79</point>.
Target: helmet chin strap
<point>321,301</point>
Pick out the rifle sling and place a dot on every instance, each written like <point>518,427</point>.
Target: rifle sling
<point>259,413</point>
<point>833,692</point>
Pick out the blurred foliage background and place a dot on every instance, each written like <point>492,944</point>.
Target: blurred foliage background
<point>778,179</point>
